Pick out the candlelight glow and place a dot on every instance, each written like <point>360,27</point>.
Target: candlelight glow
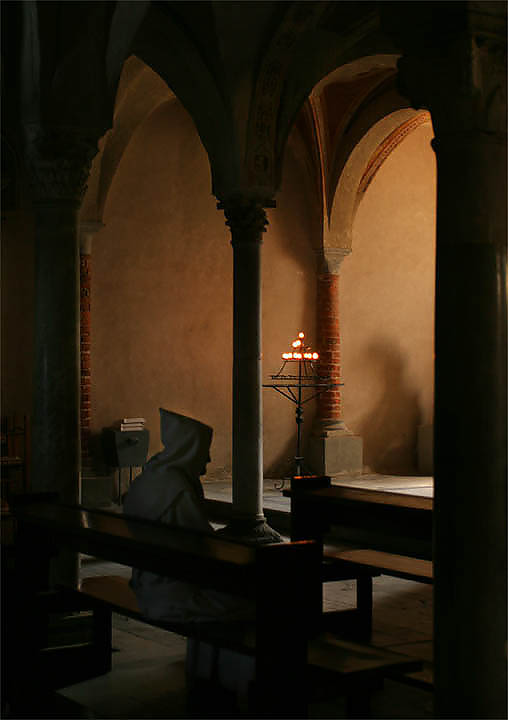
<point>303,351</point>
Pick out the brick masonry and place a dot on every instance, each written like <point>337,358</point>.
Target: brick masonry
<point>328,340</point>
<point>85,336</point>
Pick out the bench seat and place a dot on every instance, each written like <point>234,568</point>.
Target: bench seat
<point>283,580</point>
<point>114,591</point>
<point>377,562</point>
<point>338,665</point>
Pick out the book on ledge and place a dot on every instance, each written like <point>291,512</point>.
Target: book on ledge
<point>131,424</point>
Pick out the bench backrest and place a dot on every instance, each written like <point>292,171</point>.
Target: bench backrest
<point>282,579</point>
<point>210,561</point>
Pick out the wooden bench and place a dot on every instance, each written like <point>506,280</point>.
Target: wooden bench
<point>283,581</point>
<point>399,526</point>
<point>363,565</point>
<point>335,666</point>
<point>382,563</point>
<point>391,522</point>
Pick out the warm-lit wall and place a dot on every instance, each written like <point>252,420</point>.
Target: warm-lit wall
<point>162,291</point>
<point>387,307</point>
<point>162,297</point>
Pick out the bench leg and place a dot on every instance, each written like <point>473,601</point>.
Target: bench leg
<point>364,606</point>
<point>358,705</point>
<point>359,699</point>
<point>102,638</point>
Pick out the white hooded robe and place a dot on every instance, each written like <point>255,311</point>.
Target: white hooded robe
<point>169,491</point>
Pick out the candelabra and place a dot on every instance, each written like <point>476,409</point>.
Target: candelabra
<point>300,376</point>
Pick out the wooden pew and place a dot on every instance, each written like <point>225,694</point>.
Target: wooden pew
<point>387,521</point>
<point>283,580</point>
<point>335,666</point>
<point>398,528</point>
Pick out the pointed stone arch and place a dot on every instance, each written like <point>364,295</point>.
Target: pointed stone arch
<point>361,166</point>
<point>141,91</point>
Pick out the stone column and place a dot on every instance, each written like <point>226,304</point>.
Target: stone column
<point>58,163</point>
<point>463,84</point>
<point>332,447</point>
<point>247,220</point>
<point>87,230</point>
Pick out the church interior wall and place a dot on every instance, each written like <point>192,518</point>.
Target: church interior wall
<point>387,307</point>
<point>162,297</point>
<point>162,291</point>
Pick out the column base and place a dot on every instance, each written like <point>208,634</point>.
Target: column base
<point>333,449</point>
<point>251,531</point>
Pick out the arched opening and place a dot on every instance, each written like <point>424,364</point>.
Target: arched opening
<point>162,277</point>
<point>387,290</point>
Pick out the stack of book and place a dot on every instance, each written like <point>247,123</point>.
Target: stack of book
<point>130,424</point>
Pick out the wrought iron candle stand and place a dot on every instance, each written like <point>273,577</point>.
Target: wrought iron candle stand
<point>293,385</point>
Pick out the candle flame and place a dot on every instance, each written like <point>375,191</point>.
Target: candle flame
<point>303,351</point>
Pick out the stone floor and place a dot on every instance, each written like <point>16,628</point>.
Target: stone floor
<point>147,680</point>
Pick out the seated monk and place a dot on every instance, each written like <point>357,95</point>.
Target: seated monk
<point>169,491</point>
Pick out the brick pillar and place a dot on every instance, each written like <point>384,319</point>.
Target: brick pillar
<point>332,447</point>
<point>84,353</point>
<point>87,232</point>
<point>329,407</point>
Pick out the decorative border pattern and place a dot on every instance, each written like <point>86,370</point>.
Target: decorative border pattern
<point>388,146</point>
<point>316,109</point>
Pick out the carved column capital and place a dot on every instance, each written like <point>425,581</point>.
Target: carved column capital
<point>461,79</point>
<point>58,161</point>
<point>87,231</point>
<point>329,259</point>
<point>245,217</point>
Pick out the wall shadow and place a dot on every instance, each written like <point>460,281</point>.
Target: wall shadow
<point>389,430</point>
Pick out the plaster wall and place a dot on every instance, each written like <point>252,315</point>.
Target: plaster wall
<point>387,307</point>
<point>162,291</point>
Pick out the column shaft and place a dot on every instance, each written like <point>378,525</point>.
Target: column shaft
<point>55,431</point>
<point>247,219</point>
<point>247,398</point>
<point>58,160</point>
<point>470,428</point>
<point>461,79</point>
<point>332,448</point>
<point>85,263</point>
<point>329,411</point>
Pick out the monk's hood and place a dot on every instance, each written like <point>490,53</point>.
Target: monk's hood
<point>186,444</point>
<point>173,470</point>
